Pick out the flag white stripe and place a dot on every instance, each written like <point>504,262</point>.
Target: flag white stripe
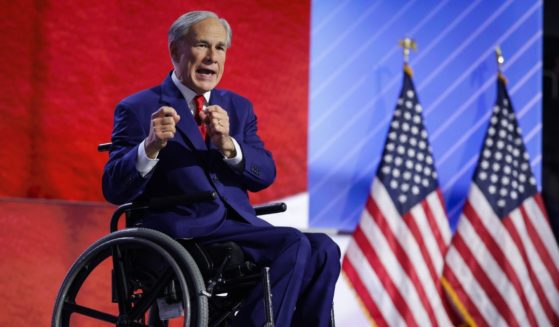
<point>436,258</point>
<point>373,285</point>
<point>495,228</point>
<point>501,236</point>
<point>537,267</point>
<point>542,273</point>
<point>509,248</point>
<point>429,240</point>
<point>437,207</point>
<point>471,287</point>
<point>408,242</point>
<point>493,271</point>
<point>376,238</point>
<point>542,228</point>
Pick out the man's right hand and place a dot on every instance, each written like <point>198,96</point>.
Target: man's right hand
<point>162,129</point>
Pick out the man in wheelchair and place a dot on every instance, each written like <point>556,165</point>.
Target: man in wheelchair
<point>185,136</point>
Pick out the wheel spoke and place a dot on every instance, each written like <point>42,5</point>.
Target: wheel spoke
<point>76,308</point>
<point>124,304</point>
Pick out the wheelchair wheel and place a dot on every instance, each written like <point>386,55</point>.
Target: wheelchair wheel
<point>148,267</point>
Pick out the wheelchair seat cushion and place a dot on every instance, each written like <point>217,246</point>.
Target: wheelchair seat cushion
<point>210,257</point>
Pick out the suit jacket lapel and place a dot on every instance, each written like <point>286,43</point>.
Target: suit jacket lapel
<point>171,96</point>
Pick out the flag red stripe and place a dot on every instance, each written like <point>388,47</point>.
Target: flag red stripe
<point>492,293</point>
<point>535,282</point>
<point>443,246</point>
<point>464,297</point>
<point>363,293</point>
<point>498,255</point>
<point>540,247</point>
<point>387,282</point>
<point>401,256</point>
<point>414,229</point>
<point>435,227</point>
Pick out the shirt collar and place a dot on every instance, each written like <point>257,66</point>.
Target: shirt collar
<point>187,93</point>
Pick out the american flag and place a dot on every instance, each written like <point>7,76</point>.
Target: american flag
<point>502,268</point>
<point>395,258</point>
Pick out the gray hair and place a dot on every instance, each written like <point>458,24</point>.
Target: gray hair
<point>182,25</point>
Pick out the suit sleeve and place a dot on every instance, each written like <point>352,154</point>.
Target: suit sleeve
<point>258,169</point>
<point>121,180</point>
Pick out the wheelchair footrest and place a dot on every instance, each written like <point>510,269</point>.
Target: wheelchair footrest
<point>169,310</point>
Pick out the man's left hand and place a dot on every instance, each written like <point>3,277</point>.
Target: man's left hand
<point>217,122</point>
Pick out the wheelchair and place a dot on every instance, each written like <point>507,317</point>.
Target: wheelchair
<point>155,280</point>
<point>202,286</point>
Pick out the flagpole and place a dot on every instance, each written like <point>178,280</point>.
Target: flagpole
<point>406,45</point>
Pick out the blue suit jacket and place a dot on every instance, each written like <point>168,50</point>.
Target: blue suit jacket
<point>187,164</point>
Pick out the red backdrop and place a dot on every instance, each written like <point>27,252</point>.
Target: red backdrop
<point>65,64</point>
<point>63,67</point>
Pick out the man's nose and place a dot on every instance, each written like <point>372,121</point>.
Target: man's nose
<point>211,55</point>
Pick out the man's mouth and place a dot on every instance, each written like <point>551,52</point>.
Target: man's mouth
<point>205,71</point>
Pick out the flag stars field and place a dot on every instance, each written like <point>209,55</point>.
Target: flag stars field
<point>407,165</point>
<point>503,146</point>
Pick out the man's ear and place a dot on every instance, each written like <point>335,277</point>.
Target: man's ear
<point>173,50</point>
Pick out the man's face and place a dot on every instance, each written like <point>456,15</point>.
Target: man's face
<point>199,59</point>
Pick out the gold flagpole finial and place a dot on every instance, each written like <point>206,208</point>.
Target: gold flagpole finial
<point>500,62</point>
<point>500,58</point>
<point>408,44</point>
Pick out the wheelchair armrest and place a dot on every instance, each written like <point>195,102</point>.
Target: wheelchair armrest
<point>103,147</point>
<point>267,209</point>
<point>159,203</point>
<point>170,201</point>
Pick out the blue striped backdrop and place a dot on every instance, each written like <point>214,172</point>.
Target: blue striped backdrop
<point>356,74</point>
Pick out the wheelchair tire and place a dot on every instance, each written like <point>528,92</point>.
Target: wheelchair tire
<point>181,267</point>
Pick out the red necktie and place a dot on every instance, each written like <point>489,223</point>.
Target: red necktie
<point>199,102</point>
